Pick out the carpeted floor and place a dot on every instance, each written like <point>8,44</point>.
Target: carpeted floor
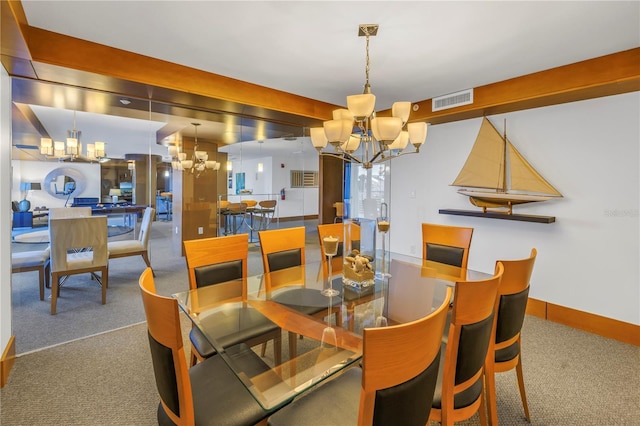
<point>572,377</point>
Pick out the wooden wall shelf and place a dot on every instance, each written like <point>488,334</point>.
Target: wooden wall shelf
<point>497,215</point>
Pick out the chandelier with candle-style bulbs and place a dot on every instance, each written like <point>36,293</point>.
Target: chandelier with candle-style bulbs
<point>73,147</point>
<point>199,162</point>
<point>357,135</point>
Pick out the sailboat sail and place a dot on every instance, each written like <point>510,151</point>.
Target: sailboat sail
<point>500,174</point>
<point>526,178</point>
<point>484,167</point>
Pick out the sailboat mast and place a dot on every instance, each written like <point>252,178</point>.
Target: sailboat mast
<point>504,158</point>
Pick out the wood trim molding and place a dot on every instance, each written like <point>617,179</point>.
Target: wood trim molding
<point>606,327</point>
<point>7,361</point>
<point>537,308</point>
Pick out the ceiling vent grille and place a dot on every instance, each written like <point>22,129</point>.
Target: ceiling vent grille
<point>452,100</point>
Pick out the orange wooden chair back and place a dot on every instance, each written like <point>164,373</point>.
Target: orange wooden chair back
<point>276,241</point>
<point>472,315</point>
<point>397,354</point>
<point>446,236</point>
<point>511,305</point>
<point>216,250</point>
<point>167,349</point>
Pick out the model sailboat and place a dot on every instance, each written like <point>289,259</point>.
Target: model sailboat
<point>499,174</point>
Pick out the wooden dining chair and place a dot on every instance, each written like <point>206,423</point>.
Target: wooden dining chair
<point>232,213</point>
<point>395,385</point>
<point>78,246</point>
<point>216,260</point>
<point>209,393</point>
<point>460,390</point>
<point>266,211</point>
<point>446,244</point>
<point>284,250</point>
<point>34,260</point>
<point>504,354</point>
<point>138,246</point>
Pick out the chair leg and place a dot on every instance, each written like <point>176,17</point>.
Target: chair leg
<point>277,349</point>
<point>523,394</point>
<point>293,345</point>
<point>41,274</point>
<point>482,409</point>
<point>490,393</point>
<point>145,257</point>
<point>105,283</point>
<point>47,274</point>
<point>55,278</point>
<point>263,350</point>
<point>195,356</point>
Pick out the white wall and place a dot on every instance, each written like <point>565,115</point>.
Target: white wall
<point>35,171</point>
<point>589,259</point>
<point>5,211</point>
<point>298,201</point>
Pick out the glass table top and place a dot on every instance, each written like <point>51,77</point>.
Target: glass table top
<point>331,326</point>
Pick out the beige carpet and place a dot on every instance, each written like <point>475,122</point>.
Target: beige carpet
<point>572,378</point>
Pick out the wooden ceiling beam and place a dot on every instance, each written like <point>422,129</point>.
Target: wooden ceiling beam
<point>603,76</point>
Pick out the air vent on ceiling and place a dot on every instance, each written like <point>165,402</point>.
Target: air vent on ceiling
<point>452,100</point>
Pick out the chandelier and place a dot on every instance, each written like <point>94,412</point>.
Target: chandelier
<point>73,147</point>
<point>373,139</point>
<point>199,162</point>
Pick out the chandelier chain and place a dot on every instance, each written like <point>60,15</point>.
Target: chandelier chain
<point>367,87</point>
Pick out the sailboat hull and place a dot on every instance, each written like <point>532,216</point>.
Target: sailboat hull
<point>500,200</point>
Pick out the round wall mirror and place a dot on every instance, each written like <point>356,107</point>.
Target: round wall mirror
<point>64,182</point>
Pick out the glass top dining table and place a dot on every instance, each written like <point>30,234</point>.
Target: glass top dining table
<point>412,289</point>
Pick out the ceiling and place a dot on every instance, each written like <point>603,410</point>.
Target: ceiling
<point>423,49</point>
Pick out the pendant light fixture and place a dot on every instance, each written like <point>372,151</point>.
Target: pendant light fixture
<point>357,135</point>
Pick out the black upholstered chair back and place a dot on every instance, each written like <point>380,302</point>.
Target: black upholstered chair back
<point>459,393</point>
<point>404,404</point>
<point>446,244</point>
<point>167,354</point>
<point>511,311</point>
<point>472,349</point>
<point>218,273</point>
<point>445,254</point>
<point>165,374</point>
<point>511,305</point>
<point>284,259</point>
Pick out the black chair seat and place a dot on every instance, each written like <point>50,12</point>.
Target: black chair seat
<point>219,397</point>
<point>232,326</point>
<point>201,343</point>
<point>333,403</point>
